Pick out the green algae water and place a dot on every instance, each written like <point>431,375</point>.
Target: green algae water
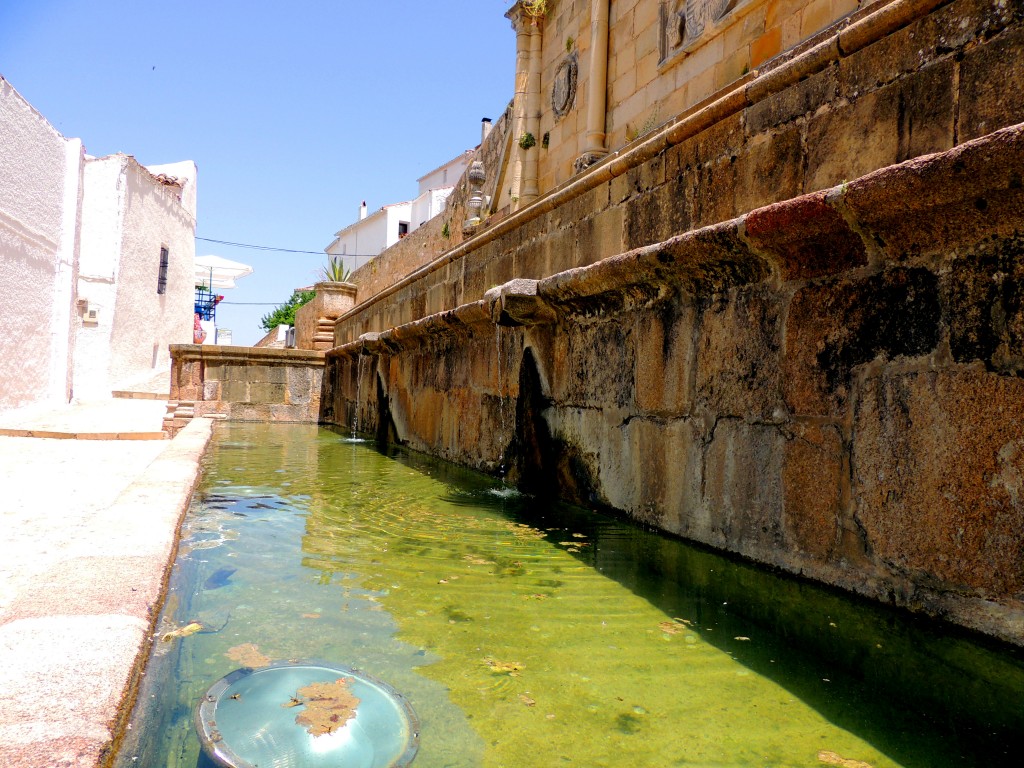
<point>527,633</point>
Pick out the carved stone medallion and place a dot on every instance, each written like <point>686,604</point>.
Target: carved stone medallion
<point>563,91</point>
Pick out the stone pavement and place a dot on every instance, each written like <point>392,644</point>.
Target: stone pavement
<point>88,527</point>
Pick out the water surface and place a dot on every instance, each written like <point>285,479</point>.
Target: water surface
<point>527,633</point>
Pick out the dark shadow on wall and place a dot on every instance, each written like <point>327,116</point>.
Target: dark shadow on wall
<point>538,463</point>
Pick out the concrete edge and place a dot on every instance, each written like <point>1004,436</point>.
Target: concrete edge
<point>173,475</point>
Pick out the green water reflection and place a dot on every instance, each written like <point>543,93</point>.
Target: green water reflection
<point>532,634</point>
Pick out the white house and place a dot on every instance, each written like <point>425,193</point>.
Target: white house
<point>371,234</point>
<point>96,263</point>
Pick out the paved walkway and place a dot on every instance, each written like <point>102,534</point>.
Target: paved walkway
<point>87,530</point>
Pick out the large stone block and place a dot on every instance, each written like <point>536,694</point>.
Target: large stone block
<point>768,170</point>
<point>799,100</point>
<point>742,488</point>
<point>833,328</point>
<point>599,364</point>
<point>651,217</point>
<point>938,467</point>
<point>665,358</point>
<point>992,85</point>
<point>813,481</point>
<point>807,235</point>
<point>737,354</point>
<point>939,204</point>
<point>906,119</point>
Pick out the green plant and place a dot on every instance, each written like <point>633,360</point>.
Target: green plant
<point>335,271</point>
<point>546,139</point>
<point>570,41</point>
<point>446,231</point>
<point>284,314</point>
<point>527,140</point>
<point>535,7</point>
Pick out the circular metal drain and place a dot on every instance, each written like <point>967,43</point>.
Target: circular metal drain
<point>306,714</point>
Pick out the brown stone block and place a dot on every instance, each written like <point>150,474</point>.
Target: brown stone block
<point>652,217</point>
<point>599,366</point>
<point>947,202</point>
<point>559,253</point>
<point>812,479</point>
<point>714,192</point>
<point>767,45</point>
<point>938,462</point>
<point>600,236</point>
<point>798,100</point>
<point>737,354</point>
<point>211,390</point>
<point>664,358</point>
<point>906,119</point>
<point>808,237</point>
<point>992,85</point>
<point>263,392</point>
<point>232,391</point>
<point>742,489</point>
<point>769,170</point>
<point>833,328</point>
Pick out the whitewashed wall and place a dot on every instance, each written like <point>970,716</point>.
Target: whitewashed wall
<point>40,187</point>
<point>128,215</point>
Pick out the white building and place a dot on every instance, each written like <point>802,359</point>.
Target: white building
<point>371,234</point>
<point>96,272</point>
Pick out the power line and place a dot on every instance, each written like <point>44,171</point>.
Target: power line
<point>284,250</point>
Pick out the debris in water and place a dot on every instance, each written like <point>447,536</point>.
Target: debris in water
<point>248,655</point>
<point>510,668</point>
<point>675,626</point>
<point>188,629</point>
<point>742,637</point>
<point>831,758</point>
<point>311,615</point>
<point>328,706</point>
<point>527,700</point>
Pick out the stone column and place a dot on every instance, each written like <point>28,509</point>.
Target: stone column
<point>597,86</point>
<point>530,190</point>
<point>521,24</point>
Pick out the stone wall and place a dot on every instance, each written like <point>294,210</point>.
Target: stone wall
<point>830,384</point>
<point>243,384</point>
<point>897,83</point>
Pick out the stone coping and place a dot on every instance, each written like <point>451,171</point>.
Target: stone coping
<point>844,38</point>
<point>214,352</point>
<point>939,201</point>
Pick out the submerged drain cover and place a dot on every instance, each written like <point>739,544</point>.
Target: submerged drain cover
<point>308,714</point>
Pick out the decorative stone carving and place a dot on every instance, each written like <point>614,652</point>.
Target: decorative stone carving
<point>475,176</point>
<point>584,161</point>
<point>684,21</point>
<point>563,91</point>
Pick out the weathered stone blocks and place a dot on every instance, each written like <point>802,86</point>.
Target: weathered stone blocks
<point>938,466</point>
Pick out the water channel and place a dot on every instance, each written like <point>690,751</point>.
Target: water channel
<point>529,633</point>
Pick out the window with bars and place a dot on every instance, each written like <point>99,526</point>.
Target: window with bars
<point>161,282</point>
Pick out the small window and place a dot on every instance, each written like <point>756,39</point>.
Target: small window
<point>403,229</point>
<point>161,282</point>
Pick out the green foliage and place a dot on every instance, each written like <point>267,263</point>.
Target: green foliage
<point>527,140</point>
<point>446,231</point>
<point>284,314</point>
<point>335,271</point>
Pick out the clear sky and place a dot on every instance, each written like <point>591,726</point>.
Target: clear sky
<point>294,111</point>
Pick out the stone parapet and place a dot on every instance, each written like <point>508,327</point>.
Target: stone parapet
<point>243,384</point>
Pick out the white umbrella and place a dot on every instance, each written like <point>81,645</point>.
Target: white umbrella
<point>218,272</point>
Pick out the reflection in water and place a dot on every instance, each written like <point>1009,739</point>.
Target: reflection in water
<point>533,634</point>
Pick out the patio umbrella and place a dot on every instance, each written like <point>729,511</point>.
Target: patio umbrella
<point>218,272</point>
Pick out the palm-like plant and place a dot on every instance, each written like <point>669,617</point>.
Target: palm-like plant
<point>335,271</point>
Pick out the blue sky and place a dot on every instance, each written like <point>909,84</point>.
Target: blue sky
<point>294,112</point>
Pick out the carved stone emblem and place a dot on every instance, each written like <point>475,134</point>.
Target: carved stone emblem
<point>563,91</point>
<point>684,21</point>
